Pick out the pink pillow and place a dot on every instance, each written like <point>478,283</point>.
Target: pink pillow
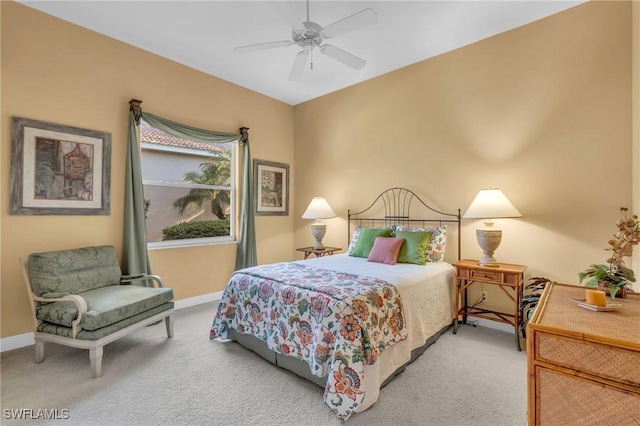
<point>385,250</point>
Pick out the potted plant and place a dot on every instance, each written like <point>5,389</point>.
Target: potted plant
<point>614,275</point>
<point>530,300</point>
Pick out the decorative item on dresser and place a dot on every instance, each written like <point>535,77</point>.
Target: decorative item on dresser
<point>614,276</point>
<point>490,204</point>
<point>583,365</point>
<point>504,275</point>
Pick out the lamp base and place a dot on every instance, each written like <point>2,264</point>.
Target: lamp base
<point>318,230</point>
<point>488,263</point>
<point>488,240</point>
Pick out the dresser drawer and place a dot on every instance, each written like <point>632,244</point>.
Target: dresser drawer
<point>564,399</point>
<point>608,362</point>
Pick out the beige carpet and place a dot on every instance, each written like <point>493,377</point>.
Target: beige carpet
<point>473,378</point>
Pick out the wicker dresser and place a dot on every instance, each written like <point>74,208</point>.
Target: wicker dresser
<point>583,366</point>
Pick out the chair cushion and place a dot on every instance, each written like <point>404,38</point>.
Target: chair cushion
<point>63,272</point>
<point>59,330</point>
<point>106,305</point>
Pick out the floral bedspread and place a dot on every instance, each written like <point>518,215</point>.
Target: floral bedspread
<point>336,322</point>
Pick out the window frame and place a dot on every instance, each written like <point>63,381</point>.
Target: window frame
<point>193,242</point>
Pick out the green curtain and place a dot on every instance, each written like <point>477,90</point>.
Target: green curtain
<point>247,256</point>
<point>135,257</point>
<point>187,132</point>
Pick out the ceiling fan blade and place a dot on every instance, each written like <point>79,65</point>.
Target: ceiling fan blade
<point>288,14</point>
<point>342,56</point>
<point>298,65</point>
<point>263,46</point>
<point>350,23</point>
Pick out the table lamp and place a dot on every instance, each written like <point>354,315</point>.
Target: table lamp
<point>490,204</point>
<point>318,209</point>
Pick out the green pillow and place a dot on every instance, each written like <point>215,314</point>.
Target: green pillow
<point>367,238</point>
<point>414,249</point>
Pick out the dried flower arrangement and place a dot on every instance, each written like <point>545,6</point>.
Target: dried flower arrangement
<point>614,274</point>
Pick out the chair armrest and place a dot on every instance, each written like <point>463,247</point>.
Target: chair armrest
<point>127,279</point>
<point>78,300</point>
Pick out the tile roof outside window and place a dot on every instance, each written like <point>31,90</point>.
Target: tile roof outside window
<point>151,135</point>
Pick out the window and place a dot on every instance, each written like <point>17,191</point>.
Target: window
<point>188,189</point>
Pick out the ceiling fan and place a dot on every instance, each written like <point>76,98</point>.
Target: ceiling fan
<point>310,35</point>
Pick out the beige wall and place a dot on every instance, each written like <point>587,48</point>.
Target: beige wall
<point>542,112</point>
<point>58,72</point>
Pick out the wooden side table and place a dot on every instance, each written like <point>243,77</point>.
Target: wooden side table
<point>327,251</point>
<point>509,278</point>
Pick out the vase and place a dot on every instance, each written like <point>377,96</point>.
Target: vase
<point>621,293</point>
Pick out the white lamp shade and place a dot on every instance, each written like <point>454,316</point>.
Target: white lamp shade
<point>491,203</point>
<point>318,209</point>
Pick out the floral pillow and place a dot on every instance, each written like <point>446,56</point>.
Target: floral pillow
<point>435,248</point>
<point>356,235</point>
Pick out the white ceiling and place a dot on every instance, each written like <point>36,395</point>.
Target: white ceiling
<point>203,34</point>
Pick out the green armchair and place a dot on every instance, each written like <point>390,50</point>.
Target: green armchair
<point>80,298</point>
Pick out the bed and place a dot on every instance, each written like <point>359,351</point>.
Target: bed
<point>348,322</point>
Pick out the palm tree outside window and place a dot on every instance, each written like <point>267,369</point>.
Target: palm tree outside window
<point>188,189</point>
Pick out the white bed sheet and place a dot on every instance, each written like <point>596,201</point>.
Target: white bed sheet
<point>427,296</point>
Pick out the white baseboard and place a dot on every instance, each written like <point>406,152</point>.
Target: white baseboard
<point>16,342</point>
<point>197,300</point>
<point>26,339</point>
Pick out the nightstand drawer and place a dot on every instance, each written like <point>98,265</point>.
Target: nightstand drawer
<point>489,276</point>
<point>495,277</point>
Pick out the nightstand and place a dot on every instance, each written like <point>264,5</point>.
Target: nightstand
<point>509,278</point>
<point>327,251</point>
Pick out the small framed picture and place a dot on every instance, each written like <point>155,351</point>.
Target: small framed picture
<point>59,170</point>
<point>271,188</point>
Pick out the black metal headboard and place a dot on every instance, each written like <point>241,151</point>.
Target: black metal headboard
<point>394,206</point>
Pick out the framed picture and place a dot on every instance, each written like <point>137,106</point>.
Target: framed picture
<point>59,170</point>
<point>271,188</point>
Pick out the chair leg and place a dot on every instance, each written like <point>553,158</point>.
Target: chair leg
<point>39,351</point>
<point>168,322</point>
<point>95,358</point>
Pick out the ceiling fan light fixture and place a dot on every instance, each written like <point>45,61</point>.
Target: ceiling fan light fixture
<point>309,34</point>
